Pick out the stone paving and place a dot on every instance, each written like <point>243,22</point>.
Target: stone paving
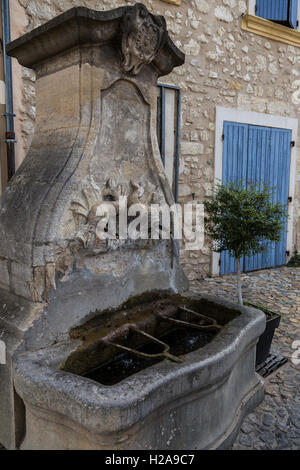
<point>275,424</point>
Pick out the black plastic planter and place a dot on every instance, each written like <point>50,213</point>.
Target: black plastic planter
<point>265,340</point>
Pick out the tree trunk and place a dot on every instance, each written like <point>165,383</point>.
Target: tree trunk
<point>239,281</point>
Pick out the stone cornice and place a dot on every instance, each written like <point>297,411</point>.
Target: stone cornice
<point>271,30</point>
<point>80,26</point>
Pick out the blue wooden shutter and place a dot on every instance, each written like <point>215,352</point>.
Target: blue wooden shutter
<point>258,154</point>
<point>293,14</point>
<point>258,172</point>
<point>280,11</point>
<point>274,10</point>
<point>234,169</point>
<point>269,152</point>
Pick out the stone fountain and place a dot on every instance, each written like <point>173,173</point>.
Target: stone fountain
<point>76,309</point>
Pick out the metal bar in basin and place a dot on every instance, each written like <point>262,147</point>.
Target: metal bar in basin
<point>204,317</point>
<point>164,353</point>
<point>191,325</point>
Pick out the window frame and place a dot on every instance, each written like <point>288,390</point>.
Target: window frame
<point>252,11</point>
<point>161,130</point>
<point>270,29</point>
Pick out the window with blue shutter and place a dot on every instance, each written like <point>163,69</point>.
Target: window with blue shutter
<point>258,154</point>
<point>284,12</point>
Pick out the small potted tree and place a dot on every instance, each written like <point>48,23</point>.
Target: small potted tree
<point>241,220</point>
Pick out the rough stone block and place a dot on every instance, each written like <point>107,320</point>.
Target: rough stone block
<point>192,148</point>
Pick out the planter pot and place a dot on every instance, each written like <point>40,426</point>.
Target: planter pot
<point>265,340</point>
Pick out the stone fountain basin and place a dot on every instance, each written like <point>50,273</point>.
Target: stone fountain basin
<point>196,404</point>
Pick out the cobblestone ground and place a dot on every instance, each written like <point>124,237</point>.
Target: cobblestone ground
<point>275,424</point>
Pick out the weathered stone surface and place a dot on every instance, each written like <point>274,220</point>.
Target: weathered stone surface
<point>4,274</point>
<point>94,141</point>
<point>266,71</point>
<point>58,79</point>
<point>191,148</point>
<point>223,14</point>
<point>85,26</point>
<point>202,6</point>
<point>155,402</point>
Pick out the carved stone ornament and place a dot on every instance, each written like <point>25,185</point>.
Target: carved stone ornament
<point>91,197</point>
<point>143,35</point>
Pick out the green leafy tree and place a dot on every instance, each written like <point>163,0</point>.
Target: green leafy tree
<point>241,220</point>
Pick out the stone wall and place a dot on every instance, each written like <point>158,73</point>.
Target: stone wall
<point>225,66</point>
